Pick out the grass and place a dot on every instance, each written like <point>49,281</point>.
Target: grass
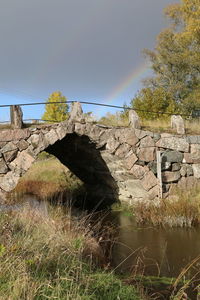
<point>158,125</point>
<point>184,211</point>
<point>46,178</point>
<point>52,258</point>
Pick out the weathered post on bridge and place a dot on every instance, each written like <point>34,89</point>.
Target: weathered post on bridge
<point>16,117</point>
<point>134,120</point>
<point>178,124</point>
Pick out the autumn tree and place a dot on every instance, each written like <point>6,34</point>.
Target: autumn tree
<point>150,100</point>
<point>56,108</point>
<point>175,60</point>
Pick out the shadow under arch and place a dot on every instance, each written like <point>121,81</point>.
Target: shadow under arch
<point>82,158</point>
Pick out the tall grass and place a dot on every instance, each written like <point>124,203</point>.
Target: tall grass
<point>180,211</point>
<point>53,258</point>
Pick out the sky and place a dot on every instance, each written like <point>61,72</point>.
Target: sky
<point>90,50</point>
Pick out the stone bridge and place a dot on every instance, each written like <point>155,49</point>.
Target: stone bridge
<point>116,163</point>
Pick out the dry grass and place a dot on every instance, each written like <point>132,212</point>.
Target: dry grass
<point>46,178</point>
<point>51,258</point>
<point>160,125</point>
<point>191,126</point>
<point>181,211</point>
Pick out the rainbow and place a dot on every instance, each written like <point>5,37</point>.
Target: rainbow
<point>136,74</point>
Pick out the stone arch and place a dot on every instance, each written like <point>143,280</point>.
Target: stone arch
<point>76,151</point>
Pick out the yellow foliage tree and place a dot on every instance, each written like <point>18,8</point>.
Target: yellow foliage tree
<point>56,109</point>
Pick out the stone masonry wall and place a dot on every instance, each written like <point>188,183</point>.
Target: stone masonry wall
<point>130,155</point>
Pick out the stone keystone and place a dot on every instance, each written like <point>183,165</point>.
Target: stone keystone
<point>76,113</point>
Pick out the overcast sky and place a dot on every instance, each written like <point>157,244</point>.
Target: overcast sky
<point>88,49</point>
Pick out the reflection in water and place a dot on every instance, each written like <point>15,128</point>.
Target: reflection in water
<point>164,252</point>
<point>30,202</point>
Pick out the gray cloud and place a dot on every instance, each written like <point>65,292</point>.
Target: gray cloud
<point>82,47</point>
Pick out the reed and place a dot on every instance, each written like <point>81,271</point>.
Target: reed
<point>180,211</point>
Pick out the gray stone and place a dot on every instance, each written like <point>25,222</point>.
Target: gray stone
<point>130,161</point>
<point>154,192</point>
<point>147,154</point>
<point>191,158</point>
<point>14,135</point>
<point>186,170</point>
<point>149,181</point>
<point>165,166</point>
<point>172,156</point>
<point>178,124</point>
<point>134,120</point>
<point>51,137</point>
<point>156,137</point>
<point>80,128</point>
<point>112,145</point>
<point>9,156</point>
<point>139,171</point>
<point>123,150</point>
<point>23,161</point>
<point>183,171</point>
<point>9,181</point>
<point>153,166</point>
<point>147,142</point>
<point>187,183</point>
<point>168,176</point>
<point>8,147</point>
<point>76,114</point>
<point>176,167</point>
<point>196,170</point>
<point>3,166</point>
<point>136,189</point>
<point>189,170</point>
<point>34,140</point>
<point>127,136</point>
<point>174,143</point>
<point>140,133</point>
<point>193,139</point>
<point>22,145</point>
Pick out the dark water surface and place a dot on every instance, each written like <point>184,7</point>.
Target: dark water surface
<point>156,251</point>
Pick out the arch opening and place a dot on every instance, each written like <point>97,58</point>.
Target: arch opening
<point>82,158</point>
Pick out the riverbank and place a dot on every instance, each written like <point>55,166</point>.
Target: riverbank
<point>54,257</point>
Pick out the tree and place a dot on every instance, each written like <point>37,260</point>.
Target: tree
<point>176,58</point>
<point>56,111</point>
<point>151,100</point>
